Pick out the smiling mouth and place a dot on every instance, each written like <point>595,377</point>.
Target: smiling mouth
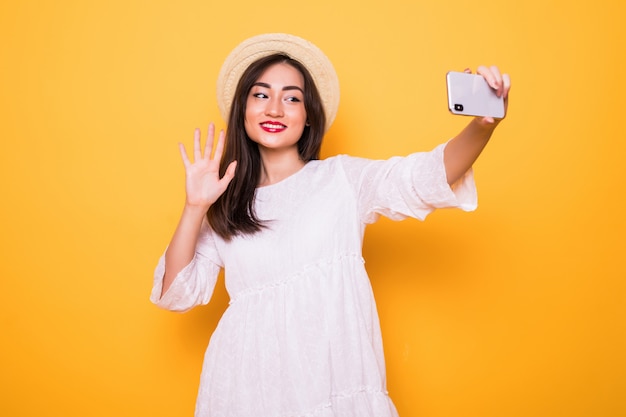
<point>273,127</point>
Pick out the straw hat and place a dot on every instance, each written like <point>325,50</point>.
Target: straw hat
<point>303,51</point>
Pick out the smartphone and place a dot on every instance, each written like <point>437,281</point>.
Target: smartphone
<point>470,95</point>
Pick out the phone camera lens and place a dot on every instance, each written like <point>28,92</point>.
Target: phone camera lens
<point>458,107</point>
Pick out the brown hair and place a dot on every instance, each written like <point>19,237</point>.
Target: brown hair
<point>233,213</point>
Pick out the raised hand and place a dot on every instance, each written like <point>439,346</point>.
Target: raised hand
<point>501,83</point>
<point>462,150</point>
<point>202,177</point>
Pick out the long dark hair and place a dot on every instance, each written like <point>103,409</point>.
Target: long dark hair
<point>233,213</point>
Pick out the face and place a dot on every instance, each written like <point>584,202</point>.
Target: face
<point>275,114</point>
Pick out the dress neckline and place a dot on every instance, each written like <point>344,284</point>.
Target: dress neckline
<point>287,179</point>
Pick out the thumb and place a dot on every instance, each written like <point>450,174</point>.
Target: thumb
<point>230,171</point>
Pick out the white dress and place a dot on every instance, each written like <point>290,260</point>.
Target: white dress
<point>301,336</point>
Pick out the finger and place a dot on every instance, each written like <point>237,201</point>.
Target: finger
<point>484,71</point>
<point>487,120</point>
<point>506,81</point>
<point>230,172</point>
<point>183,154</point>
<point>197,154</point>
<point>219,148</point>
<point>467,71</point>
<point>498,77</point>
<point>489,76</point>
<point>208,146</point>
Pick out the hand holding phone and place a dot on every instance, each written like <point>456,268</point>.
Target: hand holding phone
<point>471,95</point>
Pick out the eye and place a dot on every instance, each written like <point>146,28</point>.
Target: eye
<point>293,99</point>
<point>259,95</point>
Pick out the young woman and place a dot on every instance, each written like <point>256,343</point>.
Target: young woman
<point>301,335</point>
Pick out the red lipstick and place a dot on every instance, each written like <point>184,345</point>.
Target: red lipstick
<point>272,126</point>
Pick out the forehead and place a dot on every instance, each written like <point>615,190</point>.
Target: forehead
<point>282,74</point>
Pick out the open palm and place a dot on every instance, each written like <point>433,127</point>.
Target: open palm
<point>202,177</point>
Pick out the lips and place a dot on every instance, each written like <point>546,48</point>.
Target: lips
<point>273,127</point>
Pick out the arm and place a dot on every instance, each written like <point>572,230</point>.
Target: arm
<point>203,187</point>
<point>463,150</point>
<point>181,248</point>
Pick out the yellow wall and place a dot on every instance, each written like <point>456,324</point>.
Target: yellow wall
<point>515,310</point>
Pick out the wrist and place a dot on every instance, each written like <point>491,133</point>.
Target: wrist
<point>195,210</point>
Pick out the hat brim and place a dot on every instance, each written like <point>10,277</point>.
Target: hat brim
<point>303,51</point>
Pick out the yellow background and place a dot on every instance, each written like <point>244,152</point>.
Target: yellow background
<point>517,309</point>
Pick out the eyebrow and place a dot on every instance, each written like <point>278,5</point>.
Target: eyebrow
<point>285,88</point>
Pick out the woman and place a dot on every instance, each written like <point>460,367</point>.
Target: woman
<point>301,335</point>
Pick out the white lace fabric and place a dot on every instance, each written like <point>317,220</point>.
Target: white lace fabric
<point>301,336</point>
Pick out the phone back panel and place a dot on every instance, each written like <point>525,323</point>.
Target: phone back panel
<point>470,95</point>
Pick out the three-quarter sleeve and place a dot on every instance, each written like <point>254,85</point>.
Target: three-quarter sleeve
<point>195,283</point>
<point>411,186</point>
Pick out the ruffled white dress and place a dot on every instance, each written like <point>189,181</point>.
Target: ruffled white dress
<point>301,336</point>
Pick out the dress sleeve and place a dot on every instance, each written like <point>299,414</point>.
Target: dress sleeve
<point>195,283</point>
<point>411,186</point>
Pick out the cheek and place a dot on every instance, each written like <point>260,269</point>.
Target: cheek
<point>300,115</point>
<point>247,126</point>
<point>248,115</point>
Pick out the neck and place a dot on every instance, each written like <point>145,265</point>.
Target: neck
<point>276,166</point>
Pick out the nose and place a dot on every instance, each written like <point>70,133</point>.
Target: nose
<point>274,107</point>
